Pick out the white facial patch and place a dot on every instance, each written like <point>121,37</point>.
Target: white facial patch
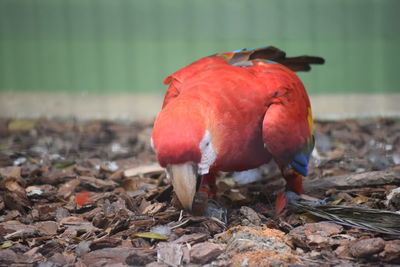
<point>208,154</point>
<point>152,144</point>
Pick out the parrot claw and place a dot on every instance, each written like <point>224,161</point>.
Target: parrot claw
<point>315,201</point>
<point>284,199</point>
<point>287,198</point>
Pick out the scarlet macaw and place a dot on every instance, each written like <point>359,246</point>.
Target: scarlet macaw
<point>232,112</point>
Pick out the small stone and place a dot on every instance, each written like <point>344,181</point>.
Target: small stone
<point>61,213</point>
<point>251,215</point>
<point>393,199</point>
<point>83,248</point>
<point>276,263</point>
<point>343,251</point>
<point>367,247</point>
<point>314,235</point>
<point>170,254</point>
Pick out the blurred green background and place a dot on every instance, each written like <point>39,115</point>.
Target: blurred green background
<point>120,46</point>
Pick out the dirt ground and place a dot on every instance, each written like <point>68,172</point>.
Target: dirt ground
<point>90,194</point>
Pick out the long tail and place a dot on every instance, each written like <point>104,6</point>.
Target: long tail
<point>271,53</point>
<point>380,221</point>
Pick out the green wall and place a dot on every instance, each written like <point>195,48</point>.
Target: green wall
<point>112,46</point>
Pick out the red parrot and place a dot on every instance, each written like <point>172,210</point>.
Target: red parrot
<point>232,112</point>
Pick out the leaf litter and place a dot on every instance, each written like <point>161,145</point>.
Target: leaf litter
<point>91,194</point>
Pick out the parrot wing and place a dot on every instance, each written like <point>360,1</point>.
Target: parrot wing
<point>176,79</point>
<point>270,53</point>
<point>240,58</point>
<point>288,138</point>
<point>288,124</point>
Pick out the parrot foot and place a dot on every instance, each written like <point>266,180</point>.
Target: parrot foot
<point>312,201</point>
<point>284,199</point>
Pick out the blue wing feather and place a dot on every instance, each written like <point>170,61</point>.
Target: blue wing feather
<point>301,160</point>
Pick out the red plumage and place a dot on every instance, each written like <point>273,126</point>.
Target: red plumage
<point>255,110</point>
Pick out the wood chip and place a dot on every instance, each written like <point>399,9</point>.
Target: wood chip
<point>170,254</point>
<point>47,228</point>
<point>98,184</point>
<point>144,170</point>
<point>367,179</point>
<point>205,252</point>
<point>191,238</point>
<point>68,188</point>
<point>367,247</point>
<point>106,256</point>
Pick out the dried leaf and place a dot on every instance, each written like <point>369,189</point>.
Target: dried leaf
<point>21,125</point>
<point>6,245</point>
<point>152,236</point>
<point>144,170</point>
<point>62,165</point>
<point>360,200</point>
<point>336,202</point>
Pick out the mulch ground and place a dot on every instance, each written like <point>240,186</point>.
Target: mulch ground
<point>90,194</point>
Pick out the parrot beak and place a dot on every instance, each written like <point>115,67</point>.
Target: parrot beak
<point>184,181</point>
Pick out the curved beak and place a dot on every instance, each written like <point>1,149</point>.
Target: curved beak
<point>184,181</point>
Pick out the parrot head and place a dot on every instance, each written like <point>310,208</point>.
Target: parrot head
<point>183,146</point>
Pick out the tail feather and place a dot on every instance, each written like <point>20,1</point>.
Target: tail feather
<point>271,53</point>
<point>301,63</point>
